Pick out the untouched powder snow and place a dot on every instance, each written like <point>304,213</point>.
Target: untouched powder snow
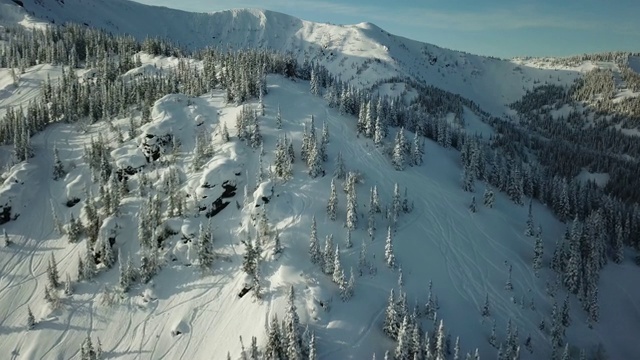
<point>184,314</point>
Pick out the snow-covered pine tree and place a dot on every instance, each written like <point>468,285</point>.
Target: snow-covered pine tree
<point>489,197</point>
<point>485,308</point>
<point>313,355</point>
<point>493,338</point>
<point>255,137</point>
<point>380,131</point>
<point>324,141</point>
<point>89,269</point>
<point>351,283</point>
<point>398,157</point>
<point>347,241</point>
<point>404,340</point>
<point>391,321</point>
<point>564,313</point>
<point>52,273</point>
<point>338,273</point>
<point>328,255</point>
<point>339,171</point>
<point>274,348</point>
<point>528,231</point>
<point>31,320</point>
<point>362,258</point>
<point>352,208</point>
<point>333,201</point>
<point>314,246</point>
<point>389,257</point>
<point>537,253</point>
<point>205,248</point>
<point>472,206</point>
<point>277,244</point>
<point>430,306</point>
<point>509,285</point>
<point>224,133</point>
<point>292,327</point>
<point>278,118</point>
<point>416,150</point>
<point>396,205</point>
<point>441,348</point>
<point>68,285</point>
<point>314,161</point>
<point>58,167</point>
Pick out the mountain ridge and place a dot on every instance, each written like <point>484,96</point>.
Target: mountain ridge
<point>362,54</point>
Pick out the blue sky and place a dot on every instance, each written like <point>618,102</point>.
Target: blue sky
<point>486,27</point>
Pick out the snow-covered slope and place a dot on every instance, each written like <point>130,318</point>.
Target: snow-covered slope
<point>465,254</point>
<point>362,54</point>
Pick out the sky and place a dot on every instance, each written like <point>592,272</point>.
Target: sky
<point>488,27</point>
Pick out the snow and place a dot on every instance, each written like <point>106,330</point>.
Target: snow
<point>463,253</point>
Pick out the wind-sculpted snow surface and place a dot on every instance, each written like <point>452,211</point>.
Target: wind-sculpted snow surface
<point>185,313</point>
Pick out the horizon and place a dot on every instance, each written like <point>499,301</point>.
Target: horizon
<point>496,28</point>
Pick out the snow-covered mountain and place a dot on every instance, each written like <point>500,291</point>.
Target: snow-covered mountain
<point>178,145</point>
<point>362,54</point>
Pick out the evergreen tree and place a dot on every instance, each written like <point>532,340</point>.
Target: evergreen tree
<point>333,201</point>
<point>89,269</point>
<point>441,349</point>
<point>485,307</point>
<point>489,197</point>
<point>493,339</point>
<point>416,151</point>
<point>277,244</point>
<point>375,200</point>
<point>313,355</point>
<point>351,283</point>
<point>391,321</point>
<point>352,208</point>
<point>398,158</point>
<point>564,313</point>
<point>396,204</point>
<point>403,349</point>
<point>389,257</point>
<point>328,255</point>
<point>58,168</point>
<point>205,248</point>
<point>347,242</point>
<point>278,118</point>
<point>340,171</point>
<point>509,285</point>
<point>224,134</point>
<point>537,253</point>
<point>362,258</point>
<point>315,161</point>
<point>472,206</point>
<point>314,245</point>
<point>292,327</point>
<point>430,306</point>
<point>68,286</point>
<point>338,272</point>
<point>31,320</point>
<point>528,231</point>
<point>52,273</point>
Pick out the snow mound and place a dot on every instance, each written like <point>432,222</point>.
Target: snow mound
<point>12,191</point>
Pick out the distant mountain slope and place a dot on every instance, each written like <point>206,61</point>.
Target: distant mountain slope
<point>362,54</point>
